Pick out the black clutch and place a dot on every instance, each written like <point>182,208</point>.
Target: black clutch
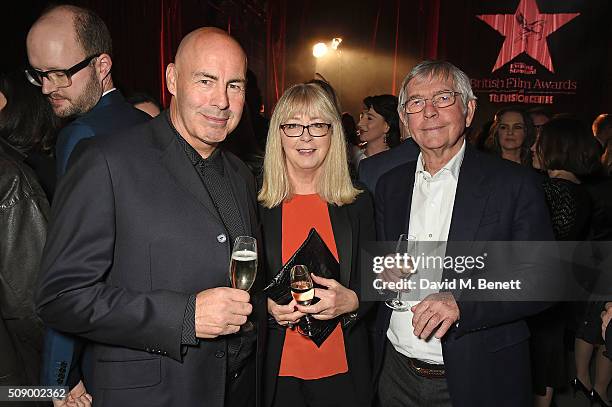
<point>314,254</point>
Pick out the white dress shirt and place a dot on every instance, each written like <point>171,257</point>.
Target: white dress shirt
<point>108,91</point>
<point>431,212</point>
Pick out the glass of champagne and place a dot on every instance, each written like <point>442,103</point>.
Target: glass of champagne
<point>302,290</point>
<point>243,267</point>
<point>406,244</point>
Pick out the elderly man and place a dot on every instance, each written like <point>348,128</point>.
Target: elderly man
<point>139,246</point>
<point>441,351</point>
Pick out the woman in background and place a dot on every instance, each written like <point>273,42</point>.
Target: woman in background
<point>512,135</point>
<point>379,124</point>
<point>568,152</point>
<point>28,128</point>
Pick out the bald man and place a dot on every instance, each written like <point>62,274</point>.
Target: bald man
<point>69,50</point>
<point>139,246</point>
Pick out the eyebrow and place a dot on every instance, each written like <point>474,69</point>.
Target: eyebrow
<point>417,96</point>
<point>216,78</point>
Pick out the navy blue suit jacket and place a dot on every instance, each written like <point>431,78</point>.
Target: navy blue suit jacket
<point>371,168</point>
<point>486,355</point>
<point>110,115</point>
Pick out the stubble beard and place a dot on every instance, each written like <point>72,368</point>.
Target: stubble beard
<point>85,101</point>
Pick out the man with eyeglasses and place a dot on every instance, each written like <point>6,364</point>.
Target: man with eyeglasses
<point>443,351</point>
<point>69,51</point>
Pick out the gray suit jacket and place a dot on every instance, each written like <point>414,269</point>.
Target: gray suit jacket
<point>133,234</point>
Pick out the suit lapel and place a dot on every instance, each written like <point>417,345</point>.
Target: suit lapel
<point>342,229</point>
<point>404,204</point>
<point>174,159</point>
<point>239,189</point>
<point>470,198</point>
<point>272,230</point>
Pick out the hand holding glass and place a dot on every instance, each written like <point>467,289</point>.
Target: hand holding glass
<point>406,244</point>
<point>243,267</point>
<point>302,290</point>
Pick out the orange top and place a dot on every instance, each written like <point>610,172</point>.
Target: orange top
<point>301,358</point>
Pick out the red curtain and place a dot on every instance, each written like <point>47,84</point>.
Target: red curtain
<point>170,35</point>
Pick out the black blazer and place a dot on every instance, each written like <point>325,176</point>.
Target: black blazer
<point>133,235</point>
<point>371,168</point>
<point>486,355</point>
<point>352,226</point>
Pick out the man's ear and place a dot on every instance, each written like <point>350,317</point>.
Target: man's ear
<point>471,108</point>
<point>104,63</point>
<point>171,73</point>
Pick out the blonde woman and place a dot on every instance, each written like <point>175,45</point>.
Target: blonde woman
<point>306,184</point>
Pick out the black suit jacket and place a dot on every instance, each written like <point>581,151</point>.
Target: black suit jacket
<point>486,354</point>
<point>133,234</point>
<point>371,168</point>
<point>352,226</point>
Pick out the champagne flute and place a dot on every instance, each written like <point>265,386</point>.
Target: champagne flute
<point>243,267</point>
<point>302,290</point>
<point>406,244</point>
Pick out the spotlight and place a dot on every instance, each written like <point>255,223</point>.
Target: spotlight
<point>335,42</point>
<point>319,50</point>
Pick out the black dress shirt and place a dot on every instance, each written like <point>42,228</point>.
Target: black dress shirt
<point>212,173</point>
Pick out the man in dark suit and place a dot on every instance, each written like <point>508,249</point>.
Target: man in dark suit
<point>139,245</point>
<point>69,50</point>
<point>64,37</point>
<point>443,351</point>
<point>371,168</point>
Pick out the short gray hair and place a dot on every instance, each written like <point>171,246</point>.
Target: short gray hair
<point>439,69</point>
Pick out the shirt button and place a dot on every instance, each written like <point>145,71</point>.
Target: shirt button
<point>430,235</point>
<point>221,238</point>
<point>219,354</point>
<point>235,375</point>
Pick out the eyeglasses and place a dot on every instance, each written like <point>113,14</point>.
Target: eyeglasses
<point>62,78</point>
<point>440,100</point>
<point>314,129</point>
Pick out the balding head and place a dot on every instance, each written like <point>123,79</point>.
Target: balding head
<point>61,38</point>
<point>207,82</point>
<point>84,26</point>
<point>207,39</point>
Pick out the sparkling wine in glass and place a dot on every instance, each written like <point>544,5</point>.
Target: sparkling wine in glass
<point>243,267</point>
<point>406,244</point>
<point>302,290</point>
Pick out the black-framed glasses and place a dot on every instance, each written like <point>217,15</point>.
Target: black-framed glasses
<point>314,129</point>
<point>439,100</point>
<point>62,78</point>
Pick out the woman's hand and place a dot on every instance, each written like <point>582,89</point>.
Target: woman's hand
<point>333,301</point>
<point>285,315</point>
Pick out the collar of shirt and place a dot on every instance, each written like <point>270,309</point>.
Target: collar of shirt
<point>452,167</point>
<point>214,161</point>
<point>108,91</point>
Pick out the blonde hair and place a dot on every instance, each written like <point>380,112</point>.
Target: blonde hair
<point>334,184</point>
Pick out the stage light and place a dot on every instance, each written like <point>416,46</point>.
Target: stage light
<point>335,42</point>
<point>319,50</point>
